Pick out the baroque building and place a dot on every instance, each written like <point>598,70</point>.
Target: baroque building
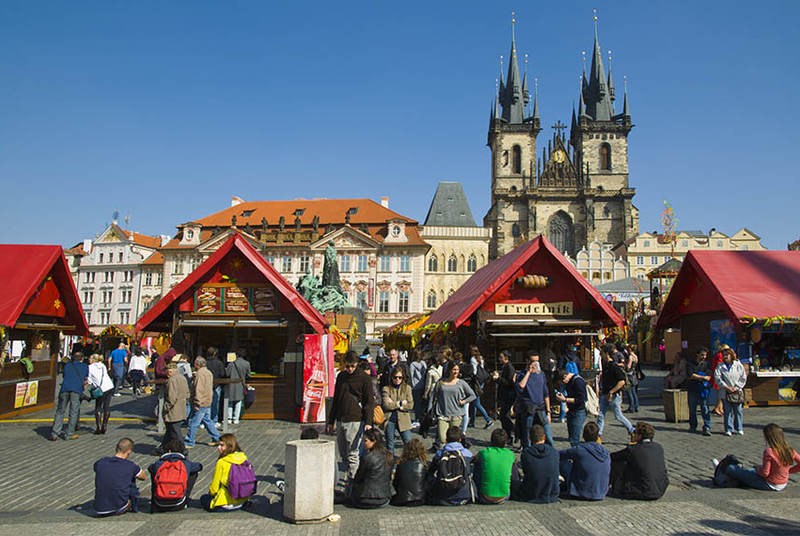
<point>577,192</point>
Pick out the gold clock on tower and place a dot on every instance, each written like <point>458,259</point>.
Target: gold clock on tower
<point>559,156</point>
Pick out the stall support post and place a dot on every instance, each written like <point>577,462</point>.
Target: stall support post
<point>160,412</point>
<point>225,408</point>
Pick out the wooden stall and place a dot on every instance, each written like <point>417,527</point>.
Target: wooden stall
<point>237,302</point>
<point>39,303</point>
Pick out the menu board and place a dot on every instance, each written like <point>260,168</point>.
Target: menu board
<point>265,300</point>
<point>208,300</point>
<point>237,300</point>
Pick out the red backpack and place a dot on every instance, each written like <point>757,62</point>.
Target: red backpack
<point>170,480</point>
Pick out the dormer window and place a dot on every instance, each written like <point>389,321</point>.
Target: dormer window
<point>189,234</point>
<point>396,231</point>
<point>247,213</point>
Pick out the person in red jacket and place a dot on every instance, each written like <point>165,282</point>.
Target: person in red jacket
<point>714,362</point>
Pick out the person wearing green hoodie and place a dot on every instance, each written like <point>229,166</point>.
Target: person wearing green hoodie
<point>219,498</point>
<point>586,467</point>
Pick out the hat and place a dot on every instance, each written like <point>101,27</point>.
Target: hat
<point>723,347</point>
<point>176,358</point>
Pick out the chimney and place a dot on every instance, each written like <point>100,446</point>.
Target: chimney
<point>385,202</point>
<point>236,200</point>
<point>87,245</point>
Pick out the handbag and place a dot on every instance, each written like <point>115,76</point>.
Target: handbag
<point>736,397</point>
<point>95,393</point>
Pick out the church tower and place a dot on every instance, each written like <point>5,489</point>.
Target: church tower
<point>512,140</point>
<point>599,137</point>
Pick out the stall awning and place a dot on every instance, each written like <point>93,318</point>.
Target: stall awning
<point>743,284</point>
<point>495,278</point>
<point>161,311</point>
<point>35,280</point>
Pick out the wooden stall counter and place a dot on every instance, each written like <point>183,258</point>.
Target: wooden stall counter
<point>763,385</point>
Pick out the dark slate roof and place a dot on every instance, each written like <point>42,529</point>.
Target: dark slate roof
<point>629,285</point>
<point>449,207</point>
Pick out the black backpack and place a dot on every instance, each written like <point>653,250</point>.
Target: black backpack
<point>451,473</point>
<point>722,480</point>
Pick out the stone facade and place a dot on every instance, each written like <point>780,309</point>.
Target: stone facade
<point>598,264</point>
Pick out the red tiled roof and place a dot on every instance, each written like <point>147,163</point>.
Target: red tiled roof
<point>156,258</point>
<point>75,250</point>
<point>743,284</point>
<point>488,282</point>
<point>23,270</point>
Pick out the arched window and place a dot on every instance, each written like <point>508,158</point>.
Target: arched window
<point>450,293</point>
<point>605,157</point>
<point>452,264</point>
<point>431,299</point>
<point>441,296</point>
<point>433,265</point>
<point>516,159</point>
<point>472,263</point>
<point>559,232</point>
<point>515,230</point>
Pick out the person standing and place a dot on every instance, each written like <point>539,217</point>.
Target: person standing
<point>418,370</point>
<point>351,412</point>
<point>731,377</point>
<point>698,371</point>
<point>479,382</point>
<point>69,397</point>
<point>504,380</point>
<point>632,372</point>
<point>467,374</point>
<point>175,396</point>
<point>99,379</point>
<point>137,370</point>
<point>449,399</point>
<point>533,400</point>
<point>238,369</point>
<point>575,399</point>
<point>116,365</point>
<point>397,402</point>
<point>612,382</point>
<point>115,490</point>
<point>202,395</point>
<point>385,372</point>
<point>214,364</point>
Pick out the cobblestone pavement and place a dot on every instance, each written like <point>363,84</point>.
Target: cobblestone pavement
<point>48,486</point>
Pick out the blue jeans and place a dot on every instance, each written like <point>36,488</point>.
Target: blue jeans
<point>575,420</point>
<point>201,415</point>
<point>705,412</point>
<point>217,394</point>
<point>73,400</point>
<point>732,415</point>
<point>633,398</point>
<point>747,477</point>
<point>539,416</point>
<point>465,419</point>
<point>419,405</point>
<point>474,408</point>
<point>118,373</point>
<point>616,400</point>
<point>391,427</point>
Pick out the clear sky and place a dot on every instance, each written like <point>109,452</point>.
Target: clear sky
<point>165,110</point>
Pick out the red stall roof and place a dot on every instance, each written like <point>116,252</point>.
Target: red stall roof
<point>35,279</point>
<point>236,241</point>
<point>499,273</point>
<point>757,284</point>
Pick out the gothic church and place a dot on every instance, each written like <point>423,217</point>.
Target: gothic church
<point>577,191</point>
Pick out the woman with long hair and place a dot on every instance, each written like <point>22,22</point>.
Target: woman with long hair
<point>219,497</point>
<point>372,484</point>
<point>731,377</point>
<point>632,372</point>
<point>100,379</point>
<point>410,475</point>
<point>449,400</point>
<point>778,460</point>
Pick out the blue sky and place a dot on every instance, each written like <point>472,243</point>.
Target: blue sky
<point>167,109</point>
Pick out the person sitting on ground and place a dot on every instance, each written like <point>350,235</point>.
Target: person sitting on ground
<point>450,473</point>
<point>586,467</point>
<point>639,471</point>
<point>115,477</point>
<point>778,460</point>
<point>172,478</point>
<point>372,484</point>
<point>219,497</point>
<point>539,463</point>
<point>409,475</point>
<point>493,466</point>
<point>99,379</point>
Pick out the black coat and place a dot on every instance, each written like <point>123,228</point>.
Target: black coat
<point>372,483</point>
<point>639,472</point>
<point>540,467</point>
<point>216,367</point>
<point>410,482</point>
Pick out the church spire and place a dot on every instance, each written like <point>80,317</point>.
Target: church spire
<point>626,114</point>
<point>512,96</point>
<point>535,98</point>
<point>597,94</point>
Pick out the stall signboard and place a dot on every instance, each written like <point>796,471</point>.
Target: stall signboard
<point>534,309</point>
<point>316,373</point>
<point>235,300</point>
<point>26,394</point>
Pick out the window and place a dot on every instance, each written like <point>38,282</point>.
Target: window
<point>88,317</point>
<point>653,260</point>
<point>431,301</point>
<point>363,263</point>
<point>452,264</point>
<point>148,279</point>
<point>108,277</point>
<point>195,263</point>
<point>189,234</point>
<point>286,264</point>
<point>119,257</point>
<point>647,243</point>
<point>433,264</point>
<point>125,296</point>
<point>607,275</point>
<point>719,243</point>
<point>105,317</point>
<point>88,296</point>
<point>344,263</point>
<point>271,260</point>
<point>639,260</point>
<point>127,276</point>
<point>684,243</point>
<point>305,263</point>
<point>159,278</point>
<point>101,257</point>
<point>561,232</point>
<point>385,264</point>
<point>472,263</point>
<point>383,302</point>
<point>402,301</point>
<point>516,159</point>
<point>177,268</point>
<point>595,276</point>
<point>515,232</point>
<point>405,263</point>
<point>605,157</point>
<point>89,277</point>
<point>361,299</point>
<point>124,317</point>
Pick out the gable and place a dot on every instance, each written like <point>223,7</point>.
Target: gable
<point>345,238</point>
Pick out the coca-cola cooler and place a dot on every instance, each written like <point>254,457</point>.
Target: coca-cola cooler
<point>318,377</point>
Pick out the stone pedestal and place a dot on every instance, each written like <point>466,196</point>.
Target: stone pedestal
<point>310,475</point>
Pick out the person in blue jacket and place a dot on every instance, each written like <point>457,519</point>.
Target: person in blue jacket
<point>586,467</point>
<point>539,463</point>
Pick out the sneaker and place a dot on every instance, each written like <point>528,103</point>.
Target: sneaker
<point>236,422</point>
<point>213,443</point>
<point>728,434</point>
<point>74,436</point>
<point>715,462</point>
<point>117,394</point>
<point>706,432</point>
<point>188,446</point>
<point>218,424</point>
<point>740,432</point>
<point>488,425</point>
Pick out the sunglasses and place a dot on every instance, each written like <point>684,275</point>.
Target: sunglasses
<point>397,377</point>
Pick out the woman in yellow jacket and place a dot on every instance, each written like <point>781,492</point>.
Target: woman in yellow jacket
<point>219,499</point>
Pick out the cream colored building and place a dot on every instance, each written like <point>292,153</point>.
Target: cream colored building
<point>647,251</point>
<point>458,246</point>
<point>598,264</point>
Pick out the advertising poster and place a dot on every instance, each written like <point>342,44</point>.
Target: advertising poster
<point>315,378</point>
<point>722,332</point>
<point>26,394</point>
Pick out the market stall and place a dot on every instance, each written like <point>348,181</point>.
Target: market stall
<point>237,302</point>
<point>39,303</point>
<point>406,334</point>
<point>531,298</point>
<point>749,300</point>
